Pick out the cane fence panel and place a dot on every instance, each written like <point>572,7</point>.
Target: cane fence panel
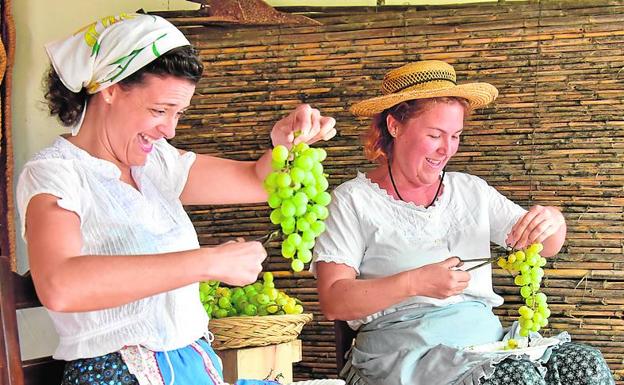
<point>555,135</point>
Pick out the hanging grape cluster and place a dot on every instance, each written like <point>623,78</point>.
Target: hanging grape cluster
<point>258,299</point>
<point>526,265</point>
<point>297,189</point>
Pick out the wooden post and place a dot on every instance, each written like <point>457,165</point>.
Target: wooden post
<point>263,362</point>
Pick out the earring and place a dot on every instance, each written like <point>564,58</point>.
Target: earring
<point>107,100</point>
<point>393,132</point>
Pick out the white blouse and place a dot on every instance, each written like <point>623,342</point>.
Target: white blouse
<point>116,219</point>
<point>377,235</point>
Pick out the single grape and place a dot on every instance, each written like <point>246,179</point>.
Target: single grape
<point>224,303</point>
<point>525,291</point>
<point>288,250</point>
<point>317,227</point>
<point>310,191</point>
<point>285,192</point>
<point>322,198</point>
<point>283,180</point>
<point>294,239</point>
<point>263,299</point>
<point>303,225</point>
<point>304,255</point>
<point>250,310</point>
<point>301,147</point>
<point>297,174</point>
<point>300,199</point>
<point>297,265</point>
<point>288,225</point>
<point>279,153</point>
<point>304,163</point>
<point>511,344</point>
<point>288,208</point>
<point>274,200</point>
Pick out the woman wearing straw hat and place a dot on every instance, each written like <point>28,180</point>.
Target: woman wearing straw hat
<point>113,255</point>
<point>386,260</point>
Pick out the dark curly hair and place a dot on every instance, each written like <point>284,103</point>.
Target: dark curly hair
<point>182,62</point>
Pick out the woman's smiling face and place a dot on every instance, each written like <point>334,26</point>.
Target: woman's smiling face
<point>143,113</point>
<point>425,143</point>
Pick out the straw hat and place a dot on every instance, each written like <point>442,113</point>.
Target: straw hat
<point>420,80</point>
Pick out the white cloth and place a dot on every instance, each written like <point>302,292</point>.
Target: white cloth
<point>111,49</point>
<point>117,219</point>
<point>377,235</point>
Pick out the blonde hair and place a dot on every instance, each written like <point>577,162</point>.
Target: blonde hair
<point>379,144</point>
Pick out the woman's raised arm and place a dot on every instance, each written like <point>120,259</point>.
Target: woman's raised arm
<point>214,180</point>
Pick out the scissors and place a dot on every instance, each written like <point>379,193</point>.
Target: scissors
<point>487,261</point>
<point>266,238</point>
<point>484,261</point>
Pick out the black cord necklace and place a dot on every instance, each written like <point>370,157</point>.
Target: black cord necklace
<point>401,198</point>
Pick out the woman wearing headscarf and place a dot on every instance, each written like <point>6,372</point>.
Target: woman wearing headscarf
<point>387,261</point>
<point>113,255</point>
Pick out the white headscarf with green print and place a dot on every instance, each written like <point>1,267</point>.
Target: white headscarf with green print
<point>109,50</point>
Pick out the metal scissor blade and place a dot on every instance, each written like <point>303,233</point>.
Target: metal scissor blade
<point>478,266</point>
<point>266,238</point>
<point>477,259</point>
<point>484,262</point>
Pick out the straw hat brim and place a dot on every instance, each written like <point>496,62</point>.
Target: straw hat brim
<point>477,95</point>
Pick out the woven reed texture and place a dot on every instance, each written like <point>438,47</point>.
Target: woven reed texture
<point>239,332</point>
<point>7,208</point>
<point>555,135</point>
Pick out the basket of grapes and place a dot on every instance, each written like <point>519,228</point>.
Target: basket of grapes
<point>253,315</point>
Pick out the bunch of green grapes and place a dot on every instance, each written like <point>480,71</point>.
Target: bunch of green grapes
<point>527,265</point>
<point>207,292</point>
<point>297,189</point>
<point>257,299</point>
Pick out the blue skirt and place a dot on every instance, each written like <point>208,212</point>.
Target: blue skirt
<point>195,364</point>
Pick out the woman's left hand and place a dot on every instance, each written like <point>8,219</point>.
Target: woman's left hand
<point>308,122</point>
<point>539,223</point>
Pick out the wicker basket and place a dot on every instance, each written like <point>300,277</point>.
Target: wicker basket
<point>238,332</point>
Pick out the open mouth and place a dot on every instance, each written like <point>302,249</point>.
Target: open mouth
<point>146,143</point>
<point>434,163</point>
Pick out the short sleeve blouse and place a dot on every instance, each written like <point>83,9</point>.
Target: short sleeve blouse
<point>117,219</point>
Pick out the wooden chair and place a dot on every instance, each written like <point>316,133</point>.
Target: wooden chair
<point>344,339</point>
<point>18,292</point>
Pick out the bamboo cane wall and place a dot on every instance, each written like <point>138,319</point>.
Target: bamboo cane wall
<point>555,136</point>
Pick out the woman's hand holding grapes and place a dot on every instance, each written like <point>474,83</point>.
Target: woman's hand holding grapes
<point>247,258</point>
<point>538,224</point>
<point>308,122</point>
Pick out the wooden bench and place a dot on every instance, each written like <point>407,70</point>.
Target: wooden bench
<point>18,292</point>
